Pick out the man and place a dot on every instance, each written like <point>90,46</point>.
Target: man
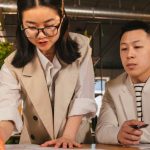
<point>125,110</point>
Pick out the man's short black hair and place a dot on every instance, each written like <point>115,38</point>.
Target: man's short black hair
<point>134,25</point>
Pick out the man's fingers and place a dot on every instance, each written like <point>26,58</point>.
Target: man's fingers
<point>129,142</point>
<point>132,137</point>
<point>133,122</point>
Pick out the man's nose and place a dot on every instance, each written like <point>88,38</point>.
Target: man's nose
<point>131,53</point>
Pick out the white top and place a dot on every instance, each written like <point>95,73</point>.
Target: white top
<point>10,90</point>
<point>138,93</point>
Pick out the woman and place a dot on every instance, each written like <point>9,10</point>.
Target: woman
<point>51,71</point>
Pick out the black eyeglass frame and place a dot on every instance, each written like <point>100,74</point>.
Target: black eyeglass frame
<point>41,29</point>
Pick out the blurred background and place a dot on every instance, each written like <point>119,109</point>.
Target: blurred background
<point>100,20</point>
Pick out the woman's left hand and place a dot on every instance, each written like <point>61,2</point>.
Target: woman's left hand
<point>62,142</point>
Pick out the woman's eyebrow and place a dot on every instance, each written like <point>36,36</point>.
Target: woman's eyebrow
<point>46,21</point>
<point>49,20</point>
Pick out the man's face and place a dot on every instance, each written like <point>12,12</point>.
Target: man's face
<point>135,54</point>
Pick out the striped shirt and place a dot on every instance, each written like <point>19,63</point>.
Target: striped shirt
<point>138,93</point>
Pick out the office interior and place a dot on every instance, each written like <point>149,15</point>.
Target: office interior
<point>100,20</point>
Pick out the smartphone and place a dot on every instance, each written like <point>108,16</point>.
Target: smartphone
<point>139,127</point>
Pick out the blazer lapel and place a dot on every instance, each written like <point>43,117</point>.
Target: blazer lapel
<point>64,90</point>
<point>146,101</point>
<point>128,101</point>
<point>35,84</point>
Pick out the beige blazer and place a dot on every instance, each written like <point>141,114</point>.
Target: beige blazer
<point>40,124</point>
<point>119,105</point>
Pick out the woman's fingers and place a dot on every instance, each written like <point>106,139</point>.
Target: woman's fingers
<point>49,143</point>
<point>62,142</point>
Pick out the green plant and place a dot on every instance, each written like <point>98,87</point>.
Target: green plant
<point>5,49</point>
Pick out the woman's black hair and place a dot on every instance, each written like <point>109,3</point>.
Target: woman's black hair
<point>66,48</point>
<point>135,25</point>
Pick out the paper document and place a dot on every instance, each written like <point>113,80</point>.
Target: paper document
<point>142,146</point>
<point>26,147</point>
<point>38,147</point>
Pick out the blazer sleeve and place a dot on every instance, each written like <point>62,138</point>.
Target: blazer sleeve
<point>145,138</point>
<point>83,101</point>
<point>107,125</point>
<point>10,98</point>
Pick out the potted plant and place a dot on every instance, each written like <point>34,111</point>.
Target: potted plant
<point>5,49</point>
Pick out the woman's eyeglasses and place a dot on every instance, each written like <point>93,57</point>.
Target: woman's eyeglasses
<point>48,31</point>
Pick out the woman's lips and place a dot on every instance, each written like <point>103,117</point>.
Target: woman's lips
<point>42,43</point>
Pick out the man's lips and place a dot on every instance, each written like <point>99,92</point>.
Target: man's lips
<point>131,65</point>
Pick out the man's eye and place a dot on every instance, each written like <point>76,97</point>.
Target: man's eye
<point>137,47</point>
<point>123,49</point>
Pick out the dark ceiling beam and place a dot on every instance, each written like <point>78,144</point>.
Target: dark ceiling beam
<point>89,13</point>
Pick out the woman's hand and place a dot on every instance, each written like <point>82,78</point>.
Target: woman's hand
<point>128,135</point>
<point>62,142</point>
<point>2,146</point>
<point>68,138</point>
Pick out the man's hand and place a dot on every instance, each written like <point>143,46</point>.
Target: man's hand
<point>128,135</point>
<point>62,142</point>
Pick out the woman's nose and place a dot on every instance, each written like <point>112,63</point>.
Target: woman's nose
<point>41,34</point>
